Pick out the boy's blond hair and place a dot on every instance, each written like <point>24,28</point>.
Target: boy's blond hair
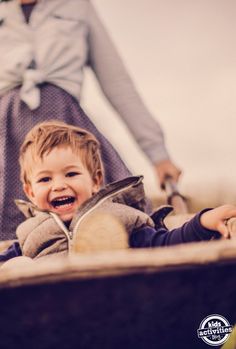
<point>45,136</point>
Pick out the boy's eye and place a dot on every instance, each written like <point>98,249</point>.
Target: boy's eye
<point>44,179</point>
<point>72,174</point>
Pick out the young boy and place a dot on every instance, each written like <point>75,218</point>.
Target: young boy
<point>62,175</point>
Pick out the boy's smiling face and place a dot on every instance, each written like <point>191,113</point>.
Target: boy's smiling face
<point>60,182</point>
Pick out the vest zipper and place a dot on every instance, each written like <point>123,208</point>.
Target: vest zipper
<point>99,203</point>
<point>66,231</point>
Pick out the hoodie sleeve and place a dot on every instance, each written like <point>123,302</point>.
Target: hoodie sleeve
<point>189,232</point>
<point>12,251</point>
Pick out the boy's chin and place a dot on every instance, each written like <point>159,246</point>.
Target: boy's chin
<point>66,217</point>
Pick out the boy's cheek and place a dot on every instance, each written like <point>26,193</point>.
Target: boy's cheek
<point>28,191</point>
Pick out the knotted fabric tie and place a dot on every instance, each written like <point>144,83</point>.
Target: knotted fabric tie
<point>30,92</point>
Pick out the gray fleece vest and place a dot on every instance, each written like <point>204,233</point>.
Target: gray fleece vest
<point>44,233</point>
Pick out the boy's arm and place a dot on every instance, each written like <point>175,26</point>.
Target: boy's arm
<point>191,231</point>
<point>12,251</point>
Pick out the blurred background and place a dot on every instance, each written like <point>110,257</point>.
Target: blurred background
<point>182,57</point>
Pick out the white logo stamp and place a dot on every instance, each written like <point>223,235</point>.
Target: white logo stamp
<point>214,329</point>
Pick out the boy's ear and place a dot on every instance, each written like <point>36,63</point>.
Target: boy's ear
<point>28,191</point>
<point>97,181</point>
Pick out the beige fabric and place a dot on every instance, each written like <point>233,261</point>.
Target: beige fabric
<point>20,261</point>
<point>100,231</point>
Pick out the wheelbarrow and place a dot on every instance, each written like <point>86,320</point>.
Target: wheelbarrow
<point>147,298</point>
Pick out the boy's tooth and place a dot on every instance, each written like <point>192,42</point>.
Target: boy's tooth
<point>63,201</point>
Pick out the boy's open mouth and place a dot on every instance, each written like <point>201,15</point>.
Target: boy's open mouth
<point>65,200</point>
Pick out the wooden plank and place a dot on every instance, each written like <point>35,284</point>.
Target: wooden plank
<point>120,262</point>
<point>130,299</point>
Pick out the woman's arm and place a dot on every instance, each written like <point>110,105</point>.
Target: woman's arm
<point>121,92</point>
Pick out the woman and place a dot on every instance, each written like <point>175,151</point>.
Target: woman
<point>45,45</point>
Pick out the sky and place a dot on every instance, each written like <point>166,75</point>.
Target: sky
<point>181,55</point>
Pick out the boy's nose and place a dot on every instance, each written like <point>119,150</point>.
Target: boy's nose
<point>59,185</point>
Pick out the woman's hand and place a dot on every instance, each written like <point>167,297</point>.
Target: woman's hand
<point>166,169</point>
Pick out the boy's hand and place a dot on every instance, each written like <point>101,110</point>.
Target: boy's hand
<point>216,219</point>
